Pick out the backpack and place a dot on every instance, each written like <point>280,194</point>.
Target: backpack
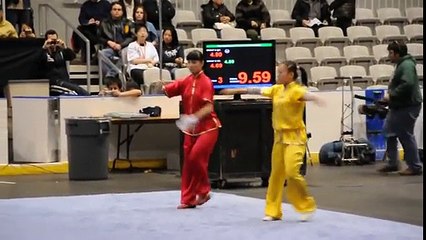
<point>331,153</point>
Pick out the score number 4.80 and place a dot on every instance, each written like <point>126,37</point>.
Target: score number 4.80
<point>258,77</point>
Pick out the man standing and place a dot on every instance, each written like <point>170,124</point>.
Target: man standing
<point>405,101</point>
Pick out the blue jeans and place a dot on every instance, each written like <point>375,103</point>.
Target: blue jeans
<point>399,125</point>
<point>115,58</point>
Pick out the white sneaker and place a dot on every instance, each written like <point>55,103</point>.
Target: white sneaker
<point>305,217</point>
<point>269,219</point>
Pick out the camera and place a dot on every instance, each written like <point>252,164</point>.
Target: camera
<point>378,107</point>
<point>53,42</point>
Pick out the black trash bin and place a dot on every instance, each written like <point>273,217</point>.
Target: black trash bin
<point>88,147</point>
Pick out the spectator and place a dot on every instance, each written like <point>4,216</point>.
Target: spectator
<point>6,28</point>
<point>92,13</point>
<point>311,13</point>
<point>55,56</point>
<point>114,88</point>
<point>115,34</point>
<point>173,56</point>
<point>139,17</point>
<point>168,12</point>
<point>252,16</point>
<point>216,15</point>
<point>129,8</point>
<point>26,32</point>
<point>141,55</point>
<point>19,12</point>
<point>344,12</point>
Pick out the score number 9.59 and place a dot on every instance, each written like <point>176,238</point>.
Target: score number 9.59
<point>256,78</point>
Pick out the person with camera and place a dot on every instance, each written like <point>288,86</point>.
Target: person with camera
<point>405,100</point>
<point>55,56</point>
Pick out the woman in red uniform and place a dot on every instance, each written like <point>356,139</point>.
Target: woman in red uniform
<point>200,125</point>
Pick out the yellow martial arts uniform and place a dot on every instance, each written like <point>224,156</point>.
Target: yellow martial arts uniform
<point>288,150</point>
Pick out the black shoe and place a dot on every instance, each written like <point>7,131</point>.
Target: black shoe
<point>387,169</point>
<point>410,172</point>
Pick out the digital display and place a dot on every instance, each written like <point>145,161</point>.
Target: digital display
<point>240,64</point>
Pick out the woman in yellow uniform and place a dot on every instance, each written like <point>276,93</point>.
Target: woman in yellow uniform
<point>288,99</point>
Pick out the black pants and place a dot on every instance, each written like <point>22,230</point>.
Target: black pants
<point>17,17</point>
<point>67,88</point>
<point>89,31</point>
<point>343,23</point>
<point>137,75</point>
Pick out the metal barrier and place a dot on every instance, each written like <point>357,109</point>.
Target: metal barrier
<point>42,30</point>
<point>102,58</point>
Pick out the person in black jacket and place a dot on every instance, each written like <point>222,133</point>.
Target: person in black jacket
<point>55,55</point>
<point>344,12</point>
<point>168,13</point>
<point>305,11</point>
<point>215,12</point>
<point>252,16</point>
<point>173,56</point>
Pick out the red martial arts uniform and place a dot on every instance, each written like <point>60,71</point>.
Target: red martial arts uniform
<point>196,92</point>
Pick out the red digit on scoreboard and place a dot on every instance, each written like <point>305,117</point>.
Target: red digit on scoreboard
<point>220,80</point>
<point>266,77</point>
<point>242,77</point>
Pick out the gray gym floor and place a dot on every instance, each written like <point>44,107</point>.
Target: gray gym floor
<point>351,189</point>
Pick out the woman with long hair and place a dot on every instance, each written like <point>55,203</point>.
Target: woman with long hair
<point>173,54</point>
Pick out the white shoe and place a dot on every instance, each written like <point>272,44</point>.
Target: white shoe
<point>305,217</point>
<point>269,219</point>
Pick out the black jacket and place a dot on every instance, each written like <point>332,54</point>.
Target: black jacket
<point>245,13</point>
<point>106,32</point>
<point>211,15</point>
<point>343,8</point>
<point>301,12</point>
<point>55,64</point>
<point>97,10</point>
<point>151,9</point>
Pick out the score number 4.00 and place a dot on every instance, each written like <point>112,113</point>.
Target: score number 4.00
<point>258,77</point>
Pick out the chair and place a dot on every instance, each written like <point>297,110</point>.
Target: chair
<point>303,57</point>
<point>322,73</point>
<point>233,34</point>
<point>282,19</point>
<point>184,41</point>
<point>416,50</point>
<point>333,36</point>
<point>363,36</point>
<point>390,33</point>
<point>414,15</point>
<point>381,73</point>
<point>419,70</point>
<point>347,88</point>
<point>358,55</point>
<point>414,33</point>
<point>329,56</point>
<point>329,84</point>
<point>281,41</point>
<point>152,75</point>
<point>358,74</point>
<point>381,54</point>
<point>392,16</point>
<point>182,73</point>
<point>187,21</point>
<point>199,35</point>
<point>365,17</point>
<point>304,37</point>
<point>188,50</point>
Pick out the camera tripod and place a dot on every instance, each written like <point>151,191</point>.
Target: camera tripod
<point>349,143</point>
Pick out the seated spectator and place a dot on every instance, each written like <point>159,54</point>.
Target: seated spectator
<point>114,88</point>
<point>6,28</point>
<point>173,55</point>
<point>141,55</point>
<point>216,15</point>
<point>252,16</point>
<point>19,12</point>
<point>307,12</point>
<point>26,32</point>
<point>168,13</point>
<point>92,13</point>
<point>344,12</point>
<point>55,56</point>
<point>129,8</point>
<point>139,17</point>
<point>115,34</point>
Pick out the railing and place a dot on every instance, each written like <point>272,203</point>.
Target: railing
<point>42,30</point>
<point>3,7</point>
<point>102,58</point>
